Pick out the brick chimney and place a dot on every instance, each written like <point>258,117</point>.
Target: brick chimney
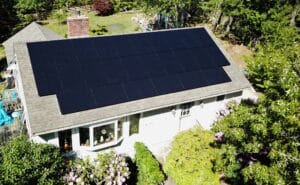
<point>78,26</point>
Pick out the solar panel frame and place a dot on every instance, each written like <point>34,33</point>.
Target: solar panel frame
<point>103,71</point>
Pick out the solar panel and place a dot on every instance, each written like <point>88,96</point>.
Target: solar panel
<point>90,73</point>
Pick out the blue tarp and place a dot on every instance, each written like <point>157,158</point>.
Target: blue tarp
<point>4,118</point>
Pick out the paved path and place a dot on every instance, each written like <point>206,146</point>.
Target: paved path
<point>169,181</point>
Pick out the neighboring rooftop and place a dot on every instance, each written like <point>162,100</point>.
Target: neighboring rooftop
<point>32,32</point>
<point>107,77</point>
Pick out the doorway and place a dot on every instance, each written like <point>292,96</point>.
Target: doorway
<point>65,140</point>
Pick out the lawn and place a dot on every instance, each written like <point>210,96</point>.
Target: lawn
<point>2,52</point>
<point>117,23</point>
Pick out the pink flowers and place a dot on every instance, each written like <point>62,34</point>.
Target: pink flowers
<point>109,169</point>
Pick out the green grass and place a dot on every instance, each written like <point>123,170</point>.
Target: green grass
<point>2,52</point>
<point>117,23</point>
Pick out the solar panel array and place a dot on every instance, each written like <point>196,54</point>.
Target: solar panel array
<point>95,72</point>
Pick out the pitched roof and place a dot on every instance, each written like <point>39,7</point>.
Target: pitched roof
<point>45,114</point>
<point>32,32</point>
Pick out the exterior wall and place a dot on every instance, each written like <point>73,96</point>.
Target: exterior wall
<point>156,128</point>
<point>19,88</point>
<point>51,138</point>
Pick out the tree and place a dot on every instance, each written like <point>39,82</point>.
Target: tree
<point>8,18</point>
<point>190,159</point>
<point>24,162</point>
<point>103,7</point>
<point>177,11</point>
<point>33,8</point>
<point>261,141</point>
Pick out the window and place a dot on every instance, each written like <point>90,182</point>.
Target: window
<point>101,135</point>
<point>185,109</point>
<point>220,98</point>
<point>84,136</point>
<point>104,134</point>
<point>134,124</point>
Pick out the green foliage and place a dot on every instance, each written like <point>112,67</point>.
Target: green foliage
<point>177,11</point>
<point>190,160</point>
<point>274,69</point>
<point>58,4</point>
<point>99,30</point>
<point>24,162</point>
<point>8,18</point>
<point>260,143</point>
<point>60,15</point>
<point>251,20</point>
<point>149,171</point>
<point>122,5</point>
<point>39,8</point>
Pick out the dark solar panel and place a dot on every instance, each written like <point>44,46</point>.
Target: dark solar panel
<point>100,71</point>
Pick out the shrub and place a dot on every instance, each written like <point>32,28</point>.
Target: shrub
<point>79,172</point>
<point>24,162</point>
<point>124,5</point>
<point>103,7</point>
<point>149,171</point>
<point>108,168</point>
<point>112,168</point>
<point>189,161</point>
<point>99,30</point>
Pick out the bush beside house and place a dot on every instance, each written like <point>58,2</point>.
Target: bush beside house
<point>108,168</point>
<point>149,171</point>
<point>190,160</point>
<point>27,163</point>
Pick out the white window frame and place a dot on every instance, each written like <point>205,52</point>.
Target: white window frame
<point>105,145</point>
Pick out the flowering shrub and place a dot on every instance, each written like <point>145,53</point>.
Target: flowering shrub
<point>108,169</point>
<point>112,169</point>
<point>230,107</point>
<point>80,172</point>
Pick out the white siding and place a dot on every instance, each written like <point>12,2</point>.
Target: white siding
<point>158,128</point>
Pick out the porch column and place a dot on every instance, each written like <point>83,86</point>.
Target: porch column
<point>75,139</point>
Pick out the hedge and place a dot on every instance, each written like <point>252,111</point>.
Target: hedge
<point>149,171</point>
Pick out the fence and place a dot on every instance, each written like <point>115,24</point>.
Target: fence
<point>9,131</point>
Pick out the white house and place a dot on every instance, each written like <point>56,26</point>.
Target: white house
<point>95,93</point>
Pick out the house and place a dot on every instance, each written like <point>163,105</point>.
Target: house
<point>93,93</point>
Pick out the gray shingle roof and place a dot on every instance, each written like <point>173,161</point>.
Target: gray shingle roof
<point>32,32</point>
<point>45,116</point>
